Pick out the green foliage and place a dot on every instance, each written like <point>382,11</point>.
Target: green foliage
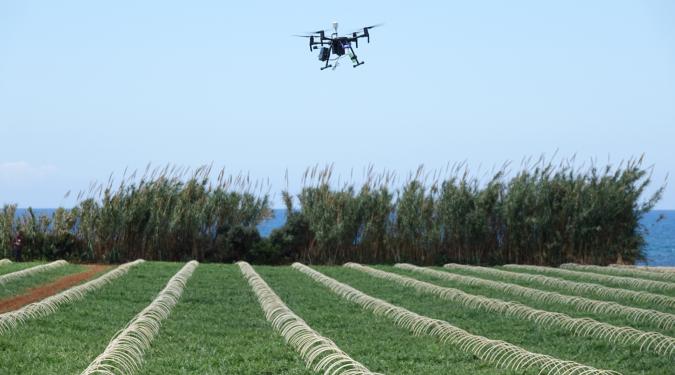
<point>167,214</point>
<point>544,214</point>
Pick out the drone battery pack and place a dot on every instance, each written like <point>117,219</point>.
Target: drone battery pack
<point>324,54</point>
<point>352,56</point>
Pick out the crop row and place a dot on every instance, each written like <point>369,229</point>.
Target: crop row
<point>660,269</point>
<point>320,353</point>
<point>31,271</point>
<point>660,319</point>
<point>124,354</point>
<point>10,320</point>
<point>628,282</point>
<point>500,353</point>
<point>617,271</point>
<point>574,287</point>
<point>648,341</point>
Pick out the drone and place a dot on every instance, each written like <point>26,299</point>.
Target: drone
<point>337,45</point>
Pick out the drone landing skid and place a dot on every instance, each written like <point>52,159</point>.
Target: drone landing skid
<point>326,67</point>
<point>361,63</point>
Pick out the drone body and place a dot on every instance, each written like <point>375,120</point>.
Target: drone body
<point>337,45</point>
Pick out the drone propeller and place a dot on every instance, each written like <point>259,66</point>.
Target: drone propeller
<point>363,29</point>
<point>366,33</point>
<point>311,40</point>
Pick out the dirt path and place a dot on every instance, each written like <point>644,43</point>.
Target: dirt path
<point>51,288</point>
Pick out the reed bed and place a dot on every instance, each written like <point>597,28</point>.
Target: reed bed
<point>167,213</point>
<point>574,287</point>
<point>626,282</point>
<point>638,315</point>
<point>543,214</point>
<point>124,354</point>
<point>319,353</point>
<point>5,261</point>
<point>646,341</point>
<point>12,319</point>
<point>499,353</point>
<point>614,271</point>
<point>31,271</point>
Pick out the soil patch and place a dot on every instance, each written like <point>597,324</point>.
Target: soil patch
<point>45,290</point>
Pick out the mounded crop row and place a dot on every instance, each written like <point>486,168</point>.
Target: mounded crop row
<point>659,269</point>
<point>11,320</point>
<point>628,282</point>
<point>124,354</point>
<point>500,353</point>
<point>647,341</point>
<point>616,271</point>
<point>31,271</point>
<point>660,319</point>
<point>574,287</point>
<point>319,353</point>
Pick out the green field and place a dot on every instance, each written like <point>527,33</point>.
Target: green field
<point>218,326</point>
<point>22,285</point>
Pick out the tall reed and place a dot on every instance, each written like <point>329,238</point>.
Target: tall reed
<point>545,213</point>
<point>167,213</point>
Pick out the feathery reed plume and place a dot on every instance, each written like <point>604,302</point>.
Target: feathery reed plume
<point>660,319</point>
<point>574,287</point>
<point>647,341</point>
<point>31,271</point>
<point>320,353</point>
<point>627,282</point>
<point>497,352</point>
<point>11,320</point>
<point>616,271</point>
<point>124,354</point>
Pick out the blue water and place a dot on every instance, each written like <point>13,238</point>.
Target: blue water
<point>660,239</point>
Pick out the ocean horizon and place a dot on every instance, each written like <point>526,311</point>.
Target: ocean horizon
<point>660,237</point>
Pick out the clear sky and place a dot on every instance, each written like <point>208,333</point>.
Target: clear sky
<point>92,87</point>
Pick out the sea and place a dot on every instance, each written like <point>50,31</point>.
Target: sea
<point>660,226</point>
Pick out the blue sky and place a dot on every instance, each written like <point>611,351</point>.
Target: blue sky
<point>93,87</point>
